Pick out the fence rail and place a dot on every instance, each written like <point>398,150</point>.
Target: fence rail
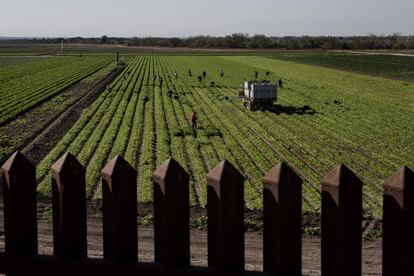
<point>341,221</point>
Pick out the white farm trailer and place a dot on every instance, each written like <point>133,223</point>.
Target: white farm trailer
<point>258,95</point>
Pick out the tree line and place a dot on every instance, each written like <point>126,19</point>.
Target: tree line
<point>244,41</point>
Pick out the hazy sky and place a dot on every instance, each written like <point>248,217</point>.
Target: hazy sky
<point>214,17</point>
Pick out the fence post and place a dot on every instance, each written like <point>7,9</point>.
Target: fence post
<point>282,221</point>
<point>69,208</point>
<point>119,190</point>
<point>171,215</point>
<point>225,209</point>
<point>341,223</point>
<point>19,199</point>
<point>398,224</point>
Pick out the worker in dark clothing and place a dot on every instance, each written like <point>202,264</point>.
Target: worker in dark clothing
<point>161,81</point>
<point>280,83</point>
<point>190,74</point>
<point>169,93</point>
<point>145,98</point>
<point>193,120</point>
<point>204,74</point>
<point>267,74</point>
<point>256,74</point>
<point>221,72</point>
<point>200,78</point>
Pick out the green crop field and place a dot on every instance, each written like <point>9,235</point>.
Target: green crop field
<point>396,67</point>
<point>323,118</point>
<point>6,61</point>
<point>23,86</point>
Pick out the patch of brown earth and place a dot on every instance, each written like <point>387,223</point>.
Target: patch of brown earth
<point>39,130</point>
<point>371,256</point>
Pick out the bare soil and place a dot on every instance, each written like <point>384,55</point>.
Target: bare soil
<point>253,242</point>
<point>38,131</point>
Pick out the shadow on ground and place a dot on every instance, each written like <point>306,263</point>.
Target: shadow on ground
<point>290,110</point>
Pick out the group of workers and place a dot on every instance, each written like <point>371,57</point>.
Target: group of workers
<point>267,74</point>
<point>193,117</point>
<point>204,74</point>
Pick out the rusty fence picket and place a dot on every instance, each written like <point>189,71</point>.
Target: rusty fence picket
<point>341,229</point>
<point>398,224</point>
<point>20,210</point>
<point>341,221</point>
<point>282,225</point>
<point>225,212</point>
<point>119,206</point>
<point>171,215</point>
<point>69,208</point>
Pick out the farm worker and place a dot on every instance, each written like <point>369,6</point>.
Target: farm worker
<point>280,83</point>
<point>169,93</point>
<point>107,87</point>
<point>155,78</point>
<point>204,74</point>
<point>221,72</point>
<point>190,73</point>
<point>161,81</point>
<point>199,78</point>
<point>193,120</point>
<point>175,75</point>
<point>267,73</point>
<point>256,74</point>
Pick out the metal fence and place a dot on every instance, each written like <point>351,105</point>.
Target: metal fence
<point>341,221</point>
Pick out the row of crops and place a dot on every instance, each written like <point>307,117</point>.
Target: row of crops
<point>364,122</point>
<point>11,61</point>
<point>24,86</point>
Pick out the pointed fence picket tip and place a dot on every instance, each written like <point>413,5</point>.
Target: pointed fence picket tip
<point>222,170</point>
<point>281,173</point>
<point>17,162</point>
<point>117,167</point>
<point>67,163</point>
<point>401,181</point>
<point>341,174</point>
<point>18,178</point>
<point>170,168</point>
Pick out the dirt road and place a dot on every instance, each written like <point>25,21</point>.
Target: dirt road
<point>253,243</point>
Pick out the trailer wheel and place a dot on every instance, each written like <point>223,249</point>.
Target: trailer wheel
<point>253,106</point>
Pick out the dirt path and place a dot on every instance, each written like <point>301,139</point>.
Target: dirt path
<point>38,130</point>
<point>253,243</point>
<point>57,127</point>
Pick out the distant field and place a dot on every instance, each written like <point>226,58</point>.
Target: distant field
<point>10,61</point>
<point>363,121</point>
<point>102,49</point>
<point>396,67</point>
